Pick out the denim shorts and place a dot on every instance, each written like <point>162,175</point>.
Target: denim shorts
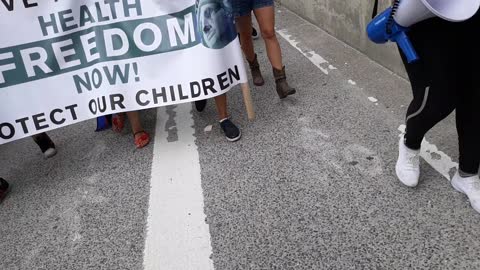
<point>245,7</point>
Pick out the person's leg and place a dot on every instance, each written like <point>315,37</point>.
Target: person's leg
<point>437,83</point>
<point>265,15</point>
<point>244,28</point>
<point>467,116</point>
<point>466,180</point>
<point>142,138</point>
<point>434,98</point>
<point>221,103</point>
<point>232,132</point>
<point>45,144</point>
<point>118,122</point>
<point>266,20</point>
<point>430,105</point>
<point>468,110</point>
<point>134,119</point>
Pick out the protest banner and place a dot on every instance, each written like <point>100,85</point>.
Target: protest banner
<point>62,61</point>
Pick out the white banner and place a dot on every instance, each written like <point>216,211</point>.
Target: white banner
<point>65,61</point>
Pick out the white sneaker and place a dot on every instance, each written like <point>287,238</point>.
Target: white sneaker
<point>50,152</point>
<point>469,186</point>
<point>408,164</point>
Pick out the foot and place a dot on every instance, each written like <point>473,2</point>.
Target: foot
<point>408,164</point>
<point>118,122</point>
<point>200,105</point>
<point>4,188</point>
<point>256,73</point>
<point>255,34</point>
<point>469,186</point>
<point>283,89</point>
<point>46,145</point>
<point>232,133</point>
<point>142,139</point>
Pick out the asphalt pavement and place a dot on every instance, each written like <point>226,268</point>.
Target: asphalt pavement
<point>311,185</point>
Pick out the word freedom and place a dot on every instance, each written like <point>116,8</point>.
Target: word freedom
<point>84,48</point>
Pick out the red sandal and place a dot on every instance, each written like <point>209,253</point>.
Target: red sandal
<point>141,140</point>
<point>118,122</point>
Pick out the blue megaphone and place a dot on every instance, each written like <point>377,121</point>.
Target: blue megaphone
<point>393,23</point>
<point>384,28</point>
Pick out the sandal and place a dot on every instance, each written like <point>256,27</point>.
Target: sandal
<point>142,140</point>
<point>118,122</point>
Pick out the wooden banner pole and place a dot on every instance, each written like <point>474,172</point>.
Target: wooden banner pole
<point>247,98</point>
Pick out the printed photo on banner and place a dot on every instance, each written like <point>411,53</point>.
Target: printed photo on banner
<point>215,22</point>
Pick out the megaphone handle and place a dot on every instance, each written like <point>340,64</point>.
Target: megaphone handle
<point>406,46</point>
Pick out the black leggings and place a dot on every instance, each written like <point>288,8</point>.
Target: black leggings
<point>443,80</point>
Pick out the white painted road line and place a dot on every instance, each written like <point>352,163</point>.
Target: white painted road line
<point>315,58</point>
<point>177,235</point>
<point>440,161</point>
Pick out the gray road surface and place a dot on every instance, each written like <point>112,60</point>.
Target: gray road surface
<point>310,186</point>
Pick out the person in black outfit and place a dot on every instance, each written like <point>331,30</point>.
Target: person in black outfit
<point>443,80</point>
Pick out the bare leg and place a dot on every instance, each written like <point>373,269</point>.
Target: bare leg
<point>244,28</point>
<point>221,102</point>
<point>141,137</point>
<point>134,118</point>
<point>266,20</point>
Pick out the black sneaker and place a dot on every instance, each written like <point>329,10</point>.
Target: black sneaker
<point>46,145</point>
<point>200,105</point>
<point>255,33</point>
<point>231,131</point>
<point>4,188</point>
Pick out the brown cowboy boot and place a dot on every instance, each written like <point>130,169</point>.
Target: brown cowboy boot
<point>256,73</point>
<point>283,89</point>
